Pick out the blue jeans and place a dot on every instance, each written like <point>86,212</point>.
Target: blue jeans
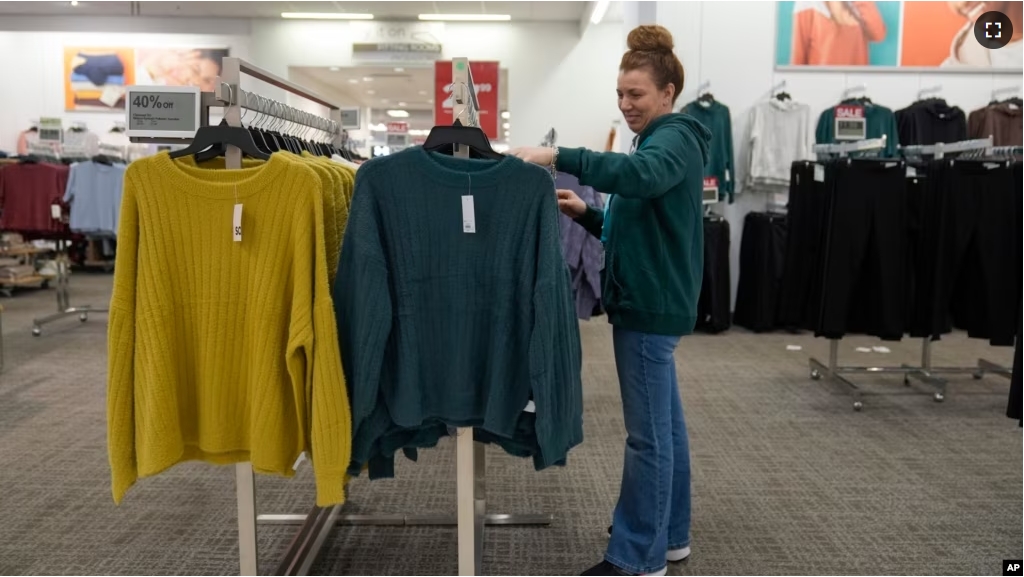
<point>653,512</point>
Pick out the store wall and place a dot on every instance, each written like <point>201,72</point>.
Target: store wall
<point>732,45</point>
<point>33,70</point>
<point>555,77</point>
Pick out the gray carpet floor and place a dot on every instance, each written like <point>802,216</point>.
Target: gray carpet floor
<point>787,478</point>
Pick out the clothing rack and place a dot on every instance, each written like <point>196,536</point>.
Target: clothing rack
<point>833,370</point>
<point>64,306</point>
<point>925,372</point>
<point>317,524</point>
<point>938,151</point>
<point>843,149</point>
<point>470,456</point>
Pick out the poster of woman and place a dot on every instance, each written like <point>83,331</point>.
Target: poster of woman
<point>837,33</point>
<point>179,66</point>
<point>942,34</point>
<point>888,34</point>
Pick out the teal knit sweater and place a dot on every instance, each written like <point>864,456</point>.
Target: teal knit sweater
<point>439,327</point>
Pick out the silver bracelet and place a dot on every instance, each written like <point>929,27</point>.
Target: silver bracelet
<point>554,162</point>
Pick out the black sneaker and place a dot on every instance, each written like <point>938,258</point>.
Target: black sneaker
<point>672,555</point>
<point>606,568</point>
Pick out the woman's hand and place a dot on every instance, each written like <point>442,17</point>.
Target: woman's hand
<point>570,204</point>
<point>540,155</point>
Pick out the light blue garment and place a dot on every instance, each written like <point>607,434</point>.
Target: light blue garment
<point>653,511</point>
<point>94,193</point>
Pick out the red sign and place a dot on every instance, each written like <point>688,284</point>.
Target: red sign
<point>485,80</point>
<point>849,111</point>
<point>710,182</point>
<point>398,127</point>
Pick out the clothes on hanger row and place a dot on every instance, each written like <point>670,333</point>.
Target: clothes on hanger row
<point>294,305</point>
<point>583,252</point>
<point>780,134</point>
<point>930,121</point>
<point>457,310</point>
<point>871,251</point>
<point>223,340</point>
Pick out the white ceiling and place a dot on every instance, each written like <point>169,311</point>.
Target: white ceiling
<point>520,11</point>
<point>381,88</point>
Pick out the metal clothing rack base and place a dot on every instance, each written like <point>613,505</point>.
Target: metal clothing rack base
<point>64,307</point>
<point>925,373</point>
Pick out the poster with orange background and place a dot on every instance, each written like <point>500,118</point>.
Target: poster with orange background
<point>95,78</point>
<point>928,32</point>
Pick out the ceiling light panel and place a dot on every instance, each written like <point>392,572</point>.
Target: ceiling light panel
<point>466,17</point>
<point>325,16</point>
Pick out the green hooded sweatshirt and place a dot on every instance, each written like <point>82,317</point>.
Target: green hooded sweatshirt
<point>652,227</point>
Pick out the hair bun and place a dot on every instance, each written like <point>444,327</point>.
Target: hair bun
<point>650,38</point>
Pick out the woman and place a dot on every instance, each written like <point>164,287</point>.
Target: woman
<point>652,231</point>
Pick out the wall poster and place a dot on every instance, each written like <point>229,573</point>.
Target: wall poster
<point>95,78</point>
<point>939,36</point>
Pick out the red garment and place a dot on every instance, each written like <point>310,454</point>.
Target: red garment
<point>27,192</point>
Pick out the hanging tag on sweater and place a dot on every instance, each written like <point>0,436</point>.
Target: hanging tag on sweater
<point>236,223</point>
<point>819,173</point>
<point>468,214</point>
<point>55,211</point>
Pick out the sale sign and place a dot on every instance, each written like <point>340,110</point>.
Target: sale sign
<point>485,81</point>
<point>850,122</point>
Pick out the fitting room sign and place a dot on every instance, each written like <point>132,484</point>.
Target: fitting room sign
<point>390,40</point>
<point>850,122</point>
<point>485,81</point>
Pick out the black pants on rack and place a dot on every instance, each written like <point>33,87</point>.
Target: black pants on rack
<point>978,273</point>
<point>713,314</point>
<point>799,301</point>
<point>762,256</point>
<point>863,286</point>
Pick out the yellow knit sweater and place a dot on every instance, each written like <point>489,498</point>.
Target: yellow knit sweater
<point>219,350</point>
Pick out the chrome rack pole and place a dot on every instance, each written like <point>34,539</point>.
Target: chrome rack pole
<point>245,483</point>
<point>64,307</point>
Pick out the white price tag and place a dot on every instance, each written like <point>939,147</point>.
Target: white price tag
<point>51,130</point>
<point>468,214</point>
<point>112,95</point>
<point>236,223</point>
<point>911,172</point>
<point>819,173</point>
<point>162,111</point>
<point>530,407</point>
<point>55,211</point>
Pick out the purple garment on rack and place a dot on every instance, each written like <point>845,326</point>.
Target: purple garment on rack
<point>582,251</point>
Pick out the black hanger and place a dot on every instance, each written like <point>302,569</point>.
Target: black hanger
<point>102,159</point>
<point>443,138</point>
<point>783,96</point>
<point>211,136</point>
<point>706,98</point>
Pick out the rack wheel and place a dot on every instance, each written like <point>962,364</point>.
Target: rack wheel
<point>978,375</point>
<point>83,317</point>
<point>815,374</point>
<point>857,405</point>
<point>36,331</point>
<point>939,397</point>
